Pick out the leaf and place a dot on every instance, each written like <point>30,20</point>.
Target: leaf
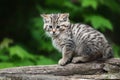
<point>38,22</point>
<point>99,22</point>
<point>46,45</point>
<point>116,49</point>
<point>88,3</point>
<point>68,4</point>
<point>6,64</point>
<point>4,57</point>
<point>25,62</point>
<point>20,52</point>
<point>5,43</point>
<point>44,61</point>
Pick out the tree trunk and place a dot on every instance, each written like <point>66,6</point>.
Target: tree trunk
<point>109,69</point>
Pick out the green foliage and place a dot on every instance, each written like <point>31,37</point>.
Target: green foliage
<point>116,49</point>
<point>6,64</point>
<point>44,61</point>
<point>99,22</point>
<point>91,3</point>
<point>113,5</point>
<point>24,42</point>
<point>16,55</point>
<point>54,2</point>
<point>20,52</point>
<point>40,36</point>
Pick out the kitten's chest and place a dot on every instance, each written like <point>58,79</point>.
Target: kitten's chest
<point>57,43</point>
<point>60,41</point>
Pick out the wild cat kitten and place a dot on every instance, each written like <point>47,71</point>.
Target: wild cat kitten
<point>77,42</point>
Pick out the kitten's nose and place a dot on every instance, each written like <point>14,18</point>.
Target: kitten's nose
<point>53,31</point>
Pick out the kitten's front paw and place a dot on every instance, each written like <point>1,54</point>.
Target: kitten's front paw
<point>75,60</point>
<point>62,62</point>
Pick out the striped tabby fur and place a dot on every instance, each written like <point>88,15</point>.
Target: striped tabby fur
<point>77,42</point>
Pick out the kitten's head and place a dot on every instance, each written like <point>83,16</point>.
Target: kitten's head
<point>54,24</point>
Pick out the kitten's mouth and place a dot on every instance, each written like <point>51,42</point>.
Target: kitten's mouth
<point>55,34</point>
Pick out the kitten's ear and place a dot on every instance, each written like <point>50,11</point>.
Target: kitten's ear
<point>65,16</point>
<point>44,16</point>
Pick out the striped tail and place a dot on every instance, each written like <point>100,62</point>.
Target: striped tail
<point>108,52</point>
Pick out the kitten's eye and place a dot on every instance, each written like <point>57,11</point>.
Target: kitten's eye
<point>58,27</point>
<point>61,20</point>
<point>64,19</point>
<point>46,21</point>
<point>50,26</point>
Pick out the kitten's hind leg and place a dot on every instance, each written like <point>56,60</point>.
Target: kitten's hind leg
<point>80,59</point>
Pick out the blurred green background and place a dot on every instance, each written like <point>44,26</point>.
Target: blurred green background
<point>23,41</point>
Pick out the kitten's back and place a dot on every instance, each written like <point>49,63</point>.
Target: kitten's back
<point>84,35</point>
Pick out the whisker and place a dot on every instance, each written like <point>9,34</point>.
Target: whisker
<point>44,36</point>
